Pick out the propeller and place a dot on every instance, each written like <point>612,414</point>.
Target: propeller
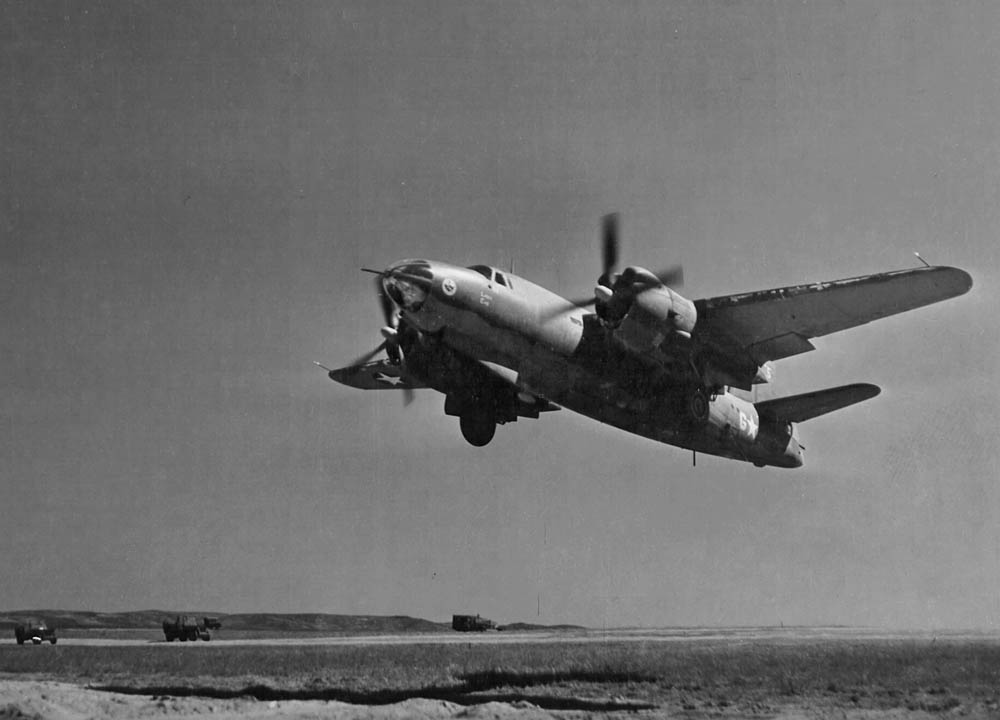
<point>609,257</point>
<point>390,332</point>
<point>370,354</point>
<point>609,248</point>
<point>672,276</point>
<point>391,329</point>
<point>625,286</point>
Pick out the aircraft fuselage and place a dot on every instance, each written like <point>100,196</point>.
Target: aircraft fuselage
<point>565,354</point>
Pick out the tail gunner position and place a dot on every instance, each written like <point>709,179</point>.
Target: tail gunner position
<point>637,355</point>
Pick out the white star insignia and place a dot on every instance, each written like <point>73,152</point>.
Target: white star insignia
<point>391,379</point>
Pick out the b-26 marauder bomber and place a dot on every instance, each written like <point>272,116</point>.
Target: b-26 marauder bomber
<point>637,355</point>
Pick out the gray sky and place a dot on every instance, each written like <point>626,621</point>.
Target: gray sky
<point>189,189</point>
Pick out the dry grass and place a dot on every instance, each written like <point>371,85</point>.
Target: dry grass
<point>721,677</point>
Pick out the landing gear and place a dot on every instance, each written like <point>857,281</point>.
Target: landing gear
<point>478,428</point>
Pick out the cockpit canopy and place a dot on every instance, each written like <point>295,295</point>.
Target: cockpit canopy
<point>491,274</point>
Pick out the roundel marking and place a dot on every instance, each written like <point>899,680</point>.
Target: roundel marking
<point>449,286</point>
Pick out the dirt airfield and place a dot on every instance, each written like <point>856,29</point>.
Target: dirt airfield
<point>66,701</point>
<point>690,673</point>
<point>224,638</point>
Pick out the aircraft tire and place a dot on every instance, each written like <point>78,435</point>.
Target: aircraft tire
<point>36,641</point>
<point>53,640</point>
<point>698,406</point>
<point>477,429</point>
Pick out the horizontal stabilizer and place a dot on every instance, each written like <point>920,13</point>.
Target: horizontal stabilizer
<point>377,375</point>
<point>799,408</point>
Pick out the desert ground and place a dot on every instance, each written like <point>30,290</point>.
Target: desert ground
<point>691,673</point>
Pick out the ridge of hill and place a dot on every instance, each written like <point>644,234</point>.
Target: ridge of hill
<point>280,622</point>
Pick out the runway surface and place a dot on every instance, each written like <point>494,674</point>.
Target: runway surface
<point>637,635</point>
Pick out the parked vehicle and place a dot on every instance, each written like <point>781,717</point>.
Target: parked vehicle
<point>471,623</point>
<point>212,623</point>
<point>184,628</point>
<point>34,630</point>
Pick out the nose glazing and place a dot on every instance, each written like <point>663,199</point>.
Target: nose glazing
<point>407,284</point>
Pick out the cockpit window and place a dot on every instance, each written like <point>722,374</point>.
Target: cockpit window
<point>486,272</point>
<point>491,274</point>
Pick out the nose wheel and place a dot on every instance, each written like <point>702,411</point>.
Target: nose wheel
<point>478,428</point>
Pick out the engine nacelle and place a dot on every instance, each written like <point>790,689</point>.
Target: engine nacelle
<point>655,314</point>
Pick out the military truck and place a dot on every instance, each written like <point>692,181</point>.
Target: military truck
<point>34,630</point>
<point>186,627</point>
<point>471,623</point>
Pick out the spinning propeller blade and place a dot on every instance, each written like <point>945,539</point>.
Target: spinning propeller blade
<point>673,276</point>
<point>390,331</point>
<point>609,248</point>
<point>370,354</point>
<point>388,309</point>
<point>627,283</point>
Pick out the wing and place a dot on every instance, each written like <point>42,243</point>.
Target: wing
<point>774,324</point>
<point>799,408</point>
<point>504,382</point>
<point>473,378</point>
<point>376,375</point>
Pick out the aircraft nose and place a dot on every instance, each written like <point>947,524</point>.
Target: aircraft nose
<point>407,283</point>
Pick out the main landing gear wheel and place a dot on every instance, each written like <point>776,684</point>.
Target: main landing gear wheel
<point>698,406</point>
<point>478,430</point>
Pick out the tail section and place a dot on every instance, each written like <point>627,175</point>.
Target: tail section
<point>799,408</point>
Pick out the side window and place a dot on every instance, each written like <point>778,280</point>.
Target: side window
<point>499,277</point>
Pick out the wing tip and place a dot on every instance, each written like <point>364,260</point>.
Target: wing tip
<point>866,391</point>
<point>960,281</point>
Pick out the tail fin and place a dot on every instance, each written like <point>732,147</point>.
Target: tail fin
<point>799,408</point>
